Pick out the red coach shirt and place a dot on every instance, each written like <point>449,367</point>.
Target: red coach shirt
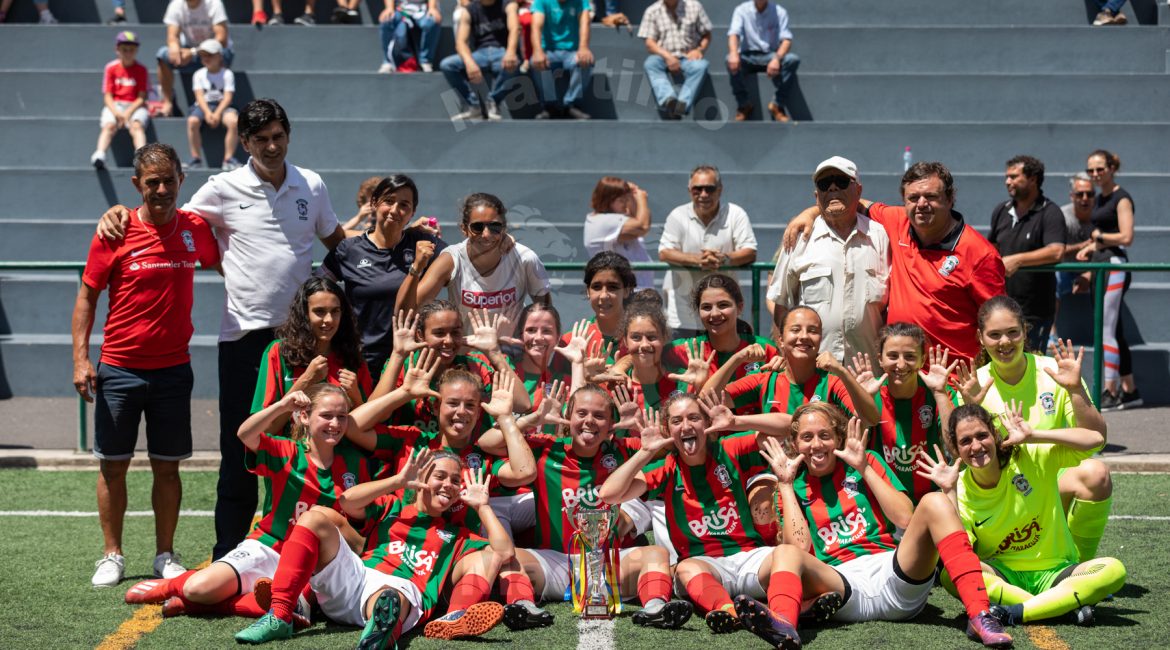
<point>150,274</point>
<point>940,288</point>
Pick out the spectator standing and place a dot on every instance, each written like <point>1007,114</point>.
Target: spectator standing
<point>259,17</point>
<point>1112,232</point>
<point>677,33</point>
<point>409,29</point>
<point>214,87</point>
<point>487,41</point>
<point>618,222</point>
<point>706,235</point>
<point>46,16</point>
<point>189,23</point>
<point>266,216</point>
<point>1078,223</point>
<point>841,271</point>
<point>374,265</point>
<point>1028,230</point>
<point>145,366</point>
<point>1110,13</point>
<point>759,41</point>
<point>560,41</point>
<point>124,86</point>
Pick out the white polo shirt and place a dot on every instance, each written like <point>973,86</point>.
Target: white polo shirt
<point>729,231</point>
<point>844,280</point>
<point>266,240</point>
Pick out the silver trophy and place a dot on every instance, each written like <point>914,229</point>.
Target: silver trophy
<point>593,595</point>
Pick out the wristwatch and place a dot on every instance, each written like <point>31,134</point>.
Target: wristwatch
<point>418,273</point>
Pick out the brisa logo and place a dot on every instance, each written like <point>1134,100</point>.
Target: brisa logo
<point>418,560</point>
<point>588,496</point>
<point>1022,538</point>
<point>843,529</point>
<point>717,521</point>
<point>902,458</point>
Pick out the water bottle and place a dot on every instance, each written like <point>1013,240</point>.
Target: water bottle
<point>907,159</point>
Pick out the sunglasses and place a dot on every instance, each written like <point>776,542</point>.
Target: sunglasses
<point>1083,195</point>
<point>824,183</point>
<point>1096,170</point>
<point>478,227</point>
<point>700,189</point>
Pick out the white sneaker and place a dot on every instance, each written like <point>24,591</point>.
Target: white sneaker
<point>110,570</point>
<point>472,113</point>
<point>98,160</point>
<point>493,111</point>
<point>168,565</point>
<point>427,67</point>
<point>386,68</point>
<point>47,18</point>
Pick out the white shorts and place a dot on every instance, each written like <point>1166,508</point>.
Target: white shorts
<point>251,561</point>
<point>739,573</point>
<point>878,592</point>
<point>139,115</point>
<point>639,514</point>
<point>661,531</point>
<point>515,512</point>
<point>555,566</point>
<point>345,584</point>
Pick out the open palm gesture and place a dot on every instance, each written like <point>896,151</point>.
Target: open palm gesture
<point>785,467</point>
<point>405,324</point>
<point>722,419</point>
<point>972,391</point>
<point>1068,365</point>
<point>475,487</point>
<point>862,370</point>
<point>855,443</point>
<point>654,439</point>
<point>1018,429</point>
<point>503,384</point>
<point>412,469</point>
<point>936,469</point>
<point>937,372</point>
<point>417,379</point>
<point>574,350</point>
<point>629,415</point>
<point>698,369</point>
<point>485,331</point>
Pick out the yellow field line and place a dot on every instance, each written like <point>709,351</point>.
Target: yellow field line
<point>1045,638</point>
<point>144,621</point>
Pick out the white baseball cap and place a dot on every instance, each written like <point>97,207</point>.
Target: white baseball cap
<point>211,46</point>
<point>843,165</point>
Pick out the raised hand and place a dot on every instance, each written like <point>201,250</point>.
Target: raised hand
<point>475,491</point>
<point>627,408</point>
<point>574,351</point>
<point>405,324</point>
<point>503,383</point>
<point>412,469</point>
<point>485,335</point>
<point>861,369</point>
<point>969,386</point>
<point>347,379</point>
<point>296,400</point>
<point>316,371</point>
<point>785,467</point>
<point>937,371</point>
<point>417,380</point>
<point>597,367</point>
<point>1068,365</point>
<point>654,439</point>
<point>945,476</point>
<point>1018,429</point>
<point>698,369</point>
<point>855,443</point>
<point>722,419</point>
<point>826,361</point>
<point>552,403</point>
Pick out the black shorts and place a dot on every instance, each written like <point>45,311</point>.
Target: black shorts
<point>125,394</point>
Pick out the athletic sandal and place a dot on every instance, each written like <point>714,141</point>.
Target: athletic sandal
<point>722,621</point>
<point>473,621</point>
<point>987,628</point>
<point>821,608</point>
<point>670,616</point>
<point>262,591</point>
<point>148,591</point>
<point>379,631</point>
<point>762,622</point>
<point>266,628</point>
<point>519,616</point>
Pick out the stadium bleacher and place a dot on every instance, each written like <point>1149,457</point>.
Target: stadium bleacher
<point>970,84</point>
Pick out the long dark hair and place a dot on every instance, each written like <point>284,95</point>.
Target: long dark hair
<point>1003,455</point>
<point>729,285</point>
<point>297,344</point>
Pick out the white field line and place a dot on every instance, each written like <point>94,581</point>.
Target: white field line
<point>82,513</point>
<point>595,634</point>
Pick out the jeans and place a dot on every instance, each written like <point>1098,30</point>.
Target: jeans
<point>578,78</point>
<point>753,62</point>
<point>662,84</point>
<point>397,32</point>
<point>235,503</point>
<point>1038,331</point>
<point>1112,6</point>
<point>490,60</point>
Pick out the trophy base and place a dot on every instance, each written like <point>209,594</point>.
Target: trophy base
<point>596,611</point>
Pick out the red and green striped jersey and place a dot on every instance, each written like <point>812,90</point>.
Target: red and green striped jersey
<point>845,519</point>
<point>275,379</point>
<point>707,509</point>
<point>414,546</point>
<point>908,426</point>
<point>677,351</point>
<point>593,335</point>
<point>769,392</point>
<point>564,479</point>
<point>293,483</point>
<point>424,414</point>
<point>532,385</point>
<point>652,395</point>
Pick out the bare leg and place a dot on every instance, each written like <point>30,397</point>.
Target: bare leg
<point>111,496</point>
<point>212,585</point>
<point>165,496</point>
<point>137,134</point>
<point>232,137</point>
<point>194,137</point>
<point>105,136</point>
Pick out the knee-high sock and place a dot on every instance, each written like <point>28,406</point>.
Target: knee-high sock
<point>1088,585</point>
<point>175,586</point>
<point>1086,522</point>
<point>1001,592</point>
<point>517,587</point>
<point>298,561</point>
<point>785,594</point>
<point>470,589</point>
<point>706,592</point>
<point>966,573</point>
<point>241,605</point>
<point>653,584</point>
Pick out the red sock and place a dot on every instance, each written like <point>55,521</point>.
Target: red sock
<point>176,585</point>
<point>298,560</point>
<point>517,587</point>
<point>242,605</point>
<point>653,584</point>
<point>784,594</point>
<point>963,566</point>
<point>470,590</point>
<point>707,593</point>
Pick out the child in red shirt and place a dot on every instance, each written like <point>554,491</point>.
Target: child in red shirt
<point>124,87</point>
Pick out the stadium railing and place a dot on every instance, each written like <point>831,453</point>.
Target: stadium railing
<point>758,271</point>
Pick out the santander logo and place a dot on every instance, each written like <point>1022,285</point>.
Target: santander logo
<point>843,529</point>
<point>717,521</point>
<point>488,300</point>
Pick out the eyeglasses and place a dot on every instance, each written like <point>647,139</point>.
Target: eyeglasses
<point>824,183</point>
<point>1096,170</point>
<point>478,227</point>
<point>1083,195</point>
<point>700,189</point>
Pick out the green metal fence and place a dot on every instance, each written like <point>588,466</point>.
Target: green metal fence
<point>758,272</point>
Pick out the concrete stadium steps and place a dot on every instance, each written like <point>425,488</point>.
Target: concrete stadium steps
<point>961,48</point>
<point>579,146</point>
<point>625,94</point>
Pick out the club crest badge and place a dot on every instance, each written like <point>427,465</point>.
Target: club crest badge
<point>722,476</point>
<point>949,265</point>
<point>303,209</point>
<point>1022,484</point>
<point>925,416</point>
<point>1048,403</point>
<point>188,240</point>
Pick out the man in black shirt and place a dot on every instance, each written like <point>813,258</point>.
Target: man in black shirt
<point>486,40</point>
<point>1029,230</point>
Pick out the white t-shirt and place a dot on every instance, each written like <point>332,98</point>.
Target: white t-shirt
<point>266,240</point>
<point>195,25</point>
<point>520,273</point>
<point>213,84</point>
<point>601,234</point>
<point>729,231</point>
